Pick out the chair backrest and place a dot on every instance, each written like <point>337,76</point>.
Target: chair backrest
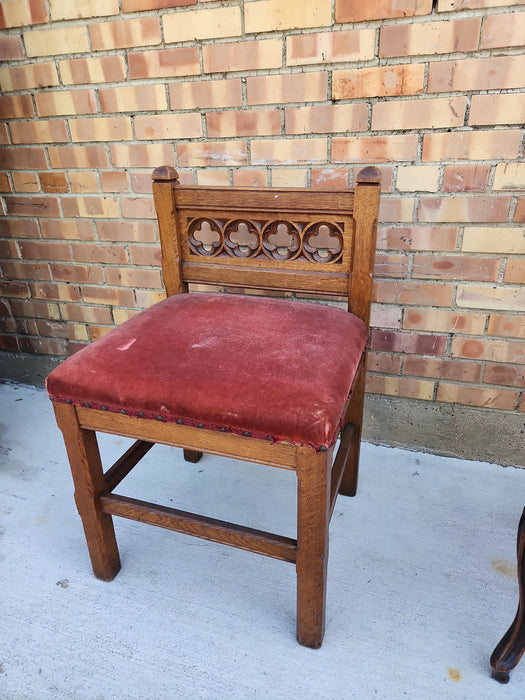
<point>289,239</point>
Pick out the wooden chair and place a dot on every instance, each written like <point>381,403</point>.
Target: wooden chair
<point>274,381</point>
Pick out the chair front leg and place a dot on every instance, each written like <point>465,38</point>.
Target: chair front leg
<point>354,415</point>
<point>88,477</point>
<point>313,518</point>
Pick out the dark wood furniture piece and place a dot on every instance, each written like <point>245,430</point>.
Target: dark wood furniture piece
<point>274,381</point>
<point>511,647</point>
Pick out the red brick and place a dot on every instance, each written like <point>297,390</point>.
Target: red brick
<point>145,255</point>
<point>45,250</point>
<point>400,386</point>
<point>26,271</point>
<point>396,209</point>
<point>424,38</point>
<point>455,267</point>
<point>61,329</point>
<point>391,265</point>
<point>23,158</point>
<point>53,182</point>
<point>120,34</point>
<point>473,396</point>
<point>114,182</point>
<point>454,370</point>
<point>519,214</point>
<point>508,351</point>
<point>384,362</point>
<point>419,344</point>
<point>380,81</point>
<point>494,73</point>
<point>5,185</point>
<point>23,182</point>
<point>418,238</point>
<point>374,148</point>
<point>165,63</point>
<point>359,11</point>
<point>498,109</point>
<point>108,295</point>
<point>16,106</point>
<point>9,249</point>
<point>9,343</point>
<point>250,177</point>
<point>11,48</point>
<point>509,375</point>
<point>493,297</point>
<point>461,208</point>
<point>242,55</point>
<point>38,309</point>
<point>329,178</point>
<point>503,30</point>
<point>9,288</point>
<point>137,208</point>
<point>88,207</point>
<point>515,271</point>
<point>254,122</point>
<point>32,206</point>
<point>81,274</point>
<point>19,228</point>
<point>91,157</point>
<point>43,346</point>
<point>284,151</point>
<point>465,178</point>
<point>215,94</point>
<point>77,9</point>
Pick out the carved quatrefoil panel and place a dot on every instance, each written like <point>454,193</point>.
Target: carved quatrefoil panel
<point>205,237</point>
<point>242,239</point>
<point>323,242</point>
<point>281,240</point>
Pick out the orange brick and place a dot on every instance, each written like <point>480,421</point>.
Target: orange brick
<point>139,5</point>
<point>114,182</point>
<point>495,298</point>
<point>243,55</point>
<point>9,249</point>
<point>22,182</point>
<point>326,119</point>
<point>87,207</point>
<point>124,33</point>
<point>494,73</point>
<point>444,321</point>
<point>519,214</point>
<point>141,155</point>
<point>99,253</point>
<point>388,265</point>
<point>471,145</point>
<point>202,24</point>
<point>454,370</point>
<point>11,48</point>
<point>216,94</point>
<point>289,151</point>
<point>419,114</point>
<point>465,178</point>
<point>509,176</point>
<point>329,178</point>
<point>133,98</point>
<point>26,271</point>
<point>169,126</point>
<point>68,230</point>
<point>44,250</point>
<point>473,396</point>
<point>34,75</point>
<point>52,130</point>
<point>96,332</point>
<point>412,293</point>
<point>165,63</point>
<point>31,206</point>
<point>104,69</point>
<point>38,309</point>
<point>5,185</point>
<point>400,386</point>
<point>4,136</point>
<point>101,129</point>
<point>83,182</point>
<point>137,207</point>
<point>374,148</point>
<point>274,15</point>
<point>463,208</point>
<point>503,30</point>
<point>396,209</point>
<point>143,231</point>
<point>297,87</point>
<point>22,12</point>
<point>384,362</point>
<point>76,9</point>
<point>424,38</point>
<point>498,109</point>
<point>56,42</point>
<point>133,277</point>
<point>510,375</point>
<point>515,271</point>
<point>456,267</point>
<point>289,177</point>
<point>205,154</point>
<point>243,123</point>
<point>49,104</point>
<point>78,157</point>
<point>23,158</point>
<point>450,5</point>
<point>53,182</point>
<point>507,326</point>
<point>359,11</point>
<point>250,177</point>
<point>16,106</point>
<point>123,315</point>
<point>9,288</point>
<point>417,178</point>
<point>61,329</point>
<point>109,296</point>
<point>18,228</point>
<point>55,292</point>
<point>85,314</point>
<point>485,239</point>
<point>384,81</point>
<point>82,274</point>
<point>330,47</point>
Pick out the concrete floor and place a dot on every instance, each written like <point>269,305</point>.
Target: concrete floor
<point>421,579</point>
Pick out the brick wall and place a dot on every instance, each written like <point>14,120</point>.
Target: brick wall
<point>96,93</point>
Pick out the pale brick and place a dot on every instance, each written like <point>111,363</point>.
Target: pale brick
<point>451,5</point>
<point>508,351</point>
<point>50,104</point>
<point>243,55</point>
<point>444,321</point>
<point>139,5</point>
<point>396,209</point>
<point>359,11</point>
<point>20,13</point>
<point>133,98</point>
<point>76,9</point>
<point>137,207</point>
<point>471,145</point>
<point>509,176</point>
<point>206,154</point>
<point>400,386</point>
<point>114,181</point>
<point>463,208</point>
<point>482,239</point>
<point>473,396</point>
<point>507,326</point>
<point>289,177</point>
<point>456,267</point>
<point>101,129</point>
<point>133,277</point>
<point>287,151</point>
<point>498,109</point>
<point>465,178</point>
<point>165,63</point>
<point>142,155</point>
<point>504,30</point>
<point>17,106</point>
<point>412,293</point>
<point>142,231</point>
<point>389,265</point>
<point>81,274</point>
<point>124,33</point>
<point>202,24</point>
<point>375,148</point>
<point>86,314</point>
<point>298,87</point>
<point>43,131</point>
<point>99,253</point>
<point>56,42</point>
<point>35,75</point>
<point>78,157</point>
<point>90,207</point>
<point>104,69</point>
<point>83,182</point>
<point>213,178</point>
<point>418,114</point>
<point>329,178</point>
<point>423,38</point>
<point>275,15</point>
<point>67,230</point>
<point>493,298</point>
<point>23,182</point>
<point>330,47</point>
<point>494,73</point>
<point>61,329</point>
<point>326,119</point>
<point>379,81</point>
<point>515,271</point>
<point>204,94</point>
<point>263,122</point>
<point>169,126</point>
<point>417,178</point>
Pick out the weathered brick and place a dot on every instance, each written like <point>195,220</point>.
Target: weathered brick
<point>141,182</point>
<point>22,182</point>
<point>53,182</point>
<point>38,309</point>
<point>81,274</point>
<point>385,316</point>
<point>400,386</point>
<point>101,129</point>
<point>423,38</point>
<point>202,24</point>
<point>204,94</point>
<point>23,158</point>
<point>125,33</point>
<point>49,104</point>
<point>326,119</point>
<point>507,326</point>
<point>140,5</point>
<point>16,106</point>
<point>509,176</point>
<point>141,155</point>
<point>31,206</point>
<point>374,148</point>
<point>381,81</point>
<point>243,55</point>
<point>508,351</point>
<point>10,47</point>
<point>249,177</point>
<point>515,271</point>
<point>471,145</point>
<point>289,177</point>
<point>465,178</point>
<point>330,47</point>
<point>108,295</point>
<point>99,253</point>
<point>50,291</point>
<point>519,214</point>
<point>103,69</point>
<point>288,88</point>
<point>164,63</point>
<point>67,230</point>
<point>133,98</point>
<point>137,207</point>
<point>83,183</point>
<point>384,362</point>
<point>62,329</point>
<point>56,42</point>
<point>420,344</point>
<point>473,396</point>
<point>8,288</point>
<point>503,30</point>
<point>412,293</point>
<point>486,239</point>
<point>42,131</point>
<point>205,154</point>
<point>442,238</point>
<point>509,375</point>
<point>78,157</point>
<point>9,343</point>
<point>133,277</point>
<point>21,13</point>
<point>444,321</point>
<point>33,75</point>
<point>359,11</point>
<point>274,15</point>
<point>44,250</point>
<point>498,109</point>
<point>456,267</point>
<point>85,314</point>
<point>5,185</point>
<point>454,370</point>
<point>43,346</point>
<point>494,297</point>
<point>494,73</point>
<point>329,178</point>
<point>168,126</point>
<point>285,151</point>
<point>418,178</point>
<point>463,208</point>
<point>88,207</point>
<point>388,265</point>
<point>419,114</point>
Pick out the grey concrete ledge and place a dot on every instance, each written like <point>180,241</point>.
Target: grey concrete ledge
<point>445,429</point>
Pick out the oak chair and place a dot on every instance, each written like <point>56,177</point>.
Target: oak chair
<point>268,380</point>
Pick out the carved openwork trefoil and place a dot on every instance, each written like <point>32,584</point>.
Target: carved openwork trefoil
<point>317,241</point>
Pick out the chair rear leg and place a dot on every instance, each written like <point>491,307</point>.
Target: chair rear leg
<point>313,517</point>
<point>354,415</point>
<point>88,477</point>
<point>192,456</point>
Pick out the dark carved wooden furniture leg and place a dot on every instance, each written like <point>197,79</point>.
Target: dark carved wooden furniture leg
<point>192,456</point>
<point>510,649</point>
<point>354,416</point>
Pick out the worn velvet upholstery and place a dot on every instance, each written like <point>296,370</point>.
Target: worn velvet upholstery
<point>271,368</point>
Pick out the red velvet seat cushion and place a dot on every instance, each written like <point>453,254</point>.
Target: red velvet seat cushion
<point>272,368</point>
